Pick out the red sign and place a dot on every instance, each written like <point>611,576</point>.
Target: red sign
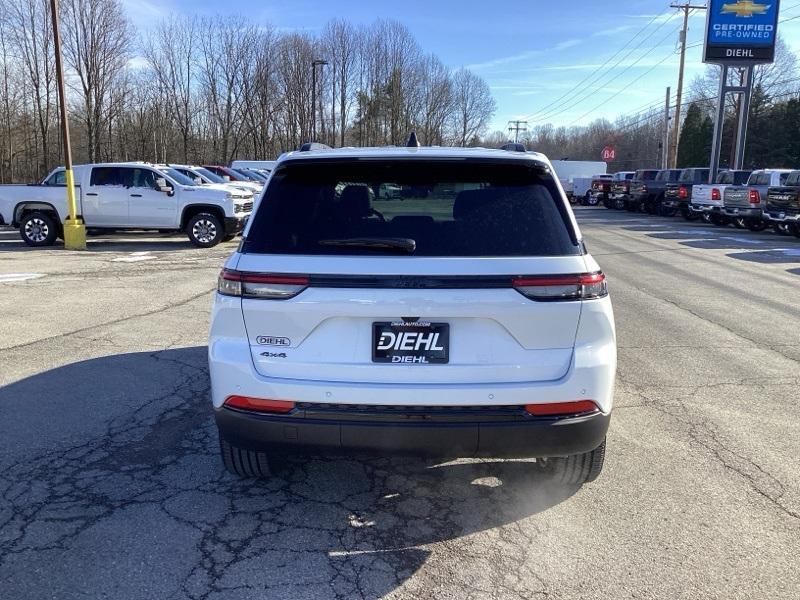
<point>609,153</point>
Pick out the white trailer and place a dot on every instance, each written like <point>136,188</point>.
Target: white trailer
<point>568,170</point>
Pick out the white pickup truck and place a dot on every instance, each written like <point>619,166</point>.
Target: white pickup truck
<point>708,200</point>
<point>126,196</point>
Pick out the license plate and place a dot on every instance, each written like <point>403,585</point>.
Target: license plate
<point>413,343</point>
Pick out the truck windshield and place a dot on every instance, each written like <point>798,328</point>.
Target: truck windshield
<point>177,176</point>
<point>430,208</point>
<point>210,175</point>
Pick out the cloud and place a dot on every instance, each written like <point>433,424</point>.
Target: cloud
<point>528,54</point>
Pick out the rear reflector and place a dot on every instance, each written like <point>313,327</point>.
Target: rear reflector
<point>260,404</point>
<point>581,286</point>
<point>554,409</point>
<point>259,285</point>
<point>755,197</point>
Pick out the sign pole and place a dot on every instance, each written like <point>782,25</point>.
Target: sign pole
<point>744,114</point>
<point>665,143</point>
<point>74,229</point>
<point>739,34</point>
<point>719,120</point>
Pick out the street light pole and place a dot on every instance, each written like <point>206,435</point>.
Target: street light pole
<point>74,228</point>
<point>314,65</point>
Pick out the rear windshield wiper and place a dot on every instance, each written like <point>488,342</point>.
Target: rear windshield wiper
<point>404,244</point>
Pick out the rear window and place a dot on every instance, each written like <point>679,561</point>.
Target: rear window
<point>668,175</point>
<point>430,208</point>
<point>694,175</point>
<point>793,178</point>
<point>646,175</point>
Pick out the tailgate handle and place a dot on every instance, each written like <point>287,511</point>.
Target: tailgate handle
<point>136,195</point>
<point>91,193</point>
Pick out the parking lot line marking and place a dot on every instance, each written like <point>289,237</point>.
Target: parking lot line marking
<point>14,277</point>
<point>741,240</point>
<point>135,257</point>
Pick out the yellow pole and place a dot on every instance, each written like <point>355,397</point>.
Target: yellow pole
<point>74,229</point>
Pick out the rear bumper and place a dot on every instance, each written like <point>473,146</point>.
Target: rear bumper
<point>474,431</point>
<point>781,217</point>
<point>750,213</point>
<point>705,208</point>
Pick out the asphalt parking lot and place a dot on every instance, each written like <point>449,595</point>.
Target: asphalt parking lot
<point>111,486</point>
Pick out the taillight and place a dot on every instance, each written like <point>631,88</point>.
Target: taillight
<point>561,409</point>
<point>683,192</point>
<point>257,285</point>
<point>715,195</point>
<point>755,197</point>
<point>260,404</point>
<point>643,188</point>
<point>583,286</point>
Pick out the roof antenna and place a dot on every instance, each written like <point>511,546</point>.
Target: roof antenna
<point>412,140</point>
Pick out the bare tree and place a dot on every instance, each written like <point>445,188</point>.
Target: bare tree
<point>29,27</point>
<point>437,100</point>
<point>341,43</point>
<point>97,47</point>
<point>473,106</point>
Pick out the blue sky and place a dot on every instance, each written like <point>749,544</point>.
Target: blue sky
<point>531,53</point>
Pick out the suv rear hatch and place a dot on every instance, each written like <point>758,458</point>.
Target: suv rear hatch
<point>374,249</point>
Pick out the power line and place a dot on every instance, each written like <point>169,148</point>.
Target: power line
<point>606,101</point>
<point>544,111</point>
<point>620,74</point>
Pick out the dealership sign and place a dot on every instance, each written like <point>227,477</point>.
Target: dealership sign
<point>741,31</point>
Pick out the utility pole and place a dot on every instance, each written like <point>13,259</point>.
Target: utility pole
<point>314,65</point>
<point>74,229</point>
<point>665,139</point>
<point>673,150</point>
<point>516,127</point>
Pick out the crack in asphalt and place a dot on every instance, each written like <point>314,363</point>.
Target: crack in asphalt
<point>304,529</point>
<point>81,330</point>
<point>702,432</point>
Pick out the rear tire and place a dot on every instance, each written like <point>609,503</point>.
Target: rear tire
<point>578,468</point>
<point>39,229</point>
<point>242,462</point>
<point>781,228</point>
<point>619,204</point>
<point>755,225</point>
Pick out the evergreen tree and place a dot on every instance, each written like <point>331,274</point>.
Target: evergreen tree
<point>694,148</point>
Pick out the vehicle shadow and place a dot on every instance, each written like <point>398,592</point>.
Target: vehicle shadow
<point>128,452</point>
<point>769,256</point>
<point>128,242</point>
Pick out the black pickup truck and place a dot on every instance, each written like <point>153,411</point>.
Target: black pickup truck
<point>678,195</point>
<point>783,205</point>
<point>638,190</point>
<point>649,196</point>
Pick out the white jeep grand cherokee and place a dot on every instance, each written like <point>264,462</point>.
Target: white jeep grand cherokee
<point>413,300</point>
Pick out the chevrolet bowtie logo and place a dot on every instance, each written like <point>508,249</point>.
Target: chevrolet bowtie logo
<point>745,8</point>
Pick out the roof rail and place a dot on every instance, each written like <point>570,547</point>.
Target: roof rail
<point>514,147</point>
<point>309,146</point>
